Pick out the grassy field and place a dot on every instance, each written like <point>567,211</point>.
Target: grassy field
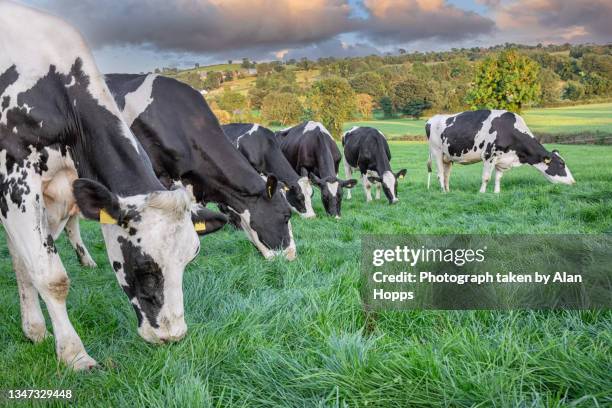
<point>572,119</point>
<point>272,333</point>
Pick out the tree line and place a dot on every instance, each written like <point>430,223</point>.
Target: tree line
<point>509,77</point>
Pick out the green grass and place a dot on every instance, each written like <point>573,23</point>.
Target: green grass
<point>572,119</point>
<point>294,334</point>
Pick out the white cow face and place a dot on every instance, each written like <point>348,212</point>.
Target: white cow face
<point>553,167</point>
<point>150,238</point>
<point>331,192</point>
<point>389,184</point>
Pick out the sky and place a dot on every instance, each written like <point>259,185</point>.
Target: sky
<point>141,35</point>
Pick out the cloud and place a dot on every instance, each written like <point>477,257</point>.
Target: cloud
<point>205,25</point>
<point>403,21</point>
<point>556,20</point>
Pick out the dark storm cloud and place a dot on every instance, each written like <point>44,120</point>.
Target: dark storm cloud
<point>557,19</point>
<point>403,21</point>
<point>205,25</point>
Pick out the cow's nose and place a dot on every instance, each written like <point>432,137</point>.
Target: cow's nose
<point>172,338</point>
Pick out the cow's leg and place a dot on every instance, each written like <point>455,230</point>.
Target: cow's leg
<point>487,169</point>
<point>32,318</point>
<point>378,187</point>
<point>28,230</point>
<point>348,173</point>
<point>74,235</point>
<point>498,175</point>
<point>447,172</point>
<point>367,186</point>
<point>440,166</point>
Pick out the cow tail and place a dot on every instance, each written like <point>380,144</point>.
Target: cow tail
<point>428,131</point>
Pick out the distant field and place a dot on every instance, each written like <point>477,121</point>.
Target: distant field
<point>592,118</point>
<point>279,334</point>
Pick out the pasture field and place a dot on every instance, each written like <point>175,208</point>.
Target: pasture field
<point>571,119</point>
<point>277,334</point>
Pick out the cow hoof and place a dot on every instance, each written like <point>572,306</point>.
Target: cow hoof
<point>82,362</point>
<point>89,263</point>
<point>36,333</point>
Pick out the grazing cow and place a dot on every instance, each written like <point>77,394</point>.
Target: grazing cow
<point>59,122</point>
<point>367,149</point>
<point>186,144</point>
<point>499,138</point>
<point>260,147</point>
<point>312,152</point>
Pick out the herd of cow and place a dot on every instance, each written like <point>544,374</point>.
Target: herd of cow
<point>144,154</point>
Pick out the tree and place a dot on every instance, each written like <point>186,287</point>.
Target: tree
<point>508,81</point>
<point>281,107</point>
<point>230,62</point>
<point>228,75</point>
<point>550,89</point>
<point>573,91</point>
<point>332,101</point>
<point>232,101</point>
<point>411,97</point>
<point>256,97</point>
<point>213,80</point>
<point>370,83</point>
<point>222,116</point>
<point>263,69</point>
<point>386,104</point>
<point>197,65</point>
<point>364,104</point>
<point>246,64</point>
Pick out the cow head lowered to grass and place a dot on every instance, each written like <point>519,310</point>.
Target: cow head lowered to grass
<point>58,119</point>
<point>312,152</point>
<point>331,192</point>
<point>260,147</point>
<point>185,143</point>
<point>499,138</point>
<point>150,239</point>
<point>366,149</point>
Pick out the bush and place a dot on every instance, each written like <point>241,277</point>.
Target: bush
<point>232,101</point>
<point>281,107</point>
<point>365,105</point>
<point>573,91</point>
<point>332,101</point>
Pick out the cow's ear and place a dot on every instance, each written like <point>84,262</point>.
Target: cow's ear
<point>350,183</point>
<point>206,221</point>
<point>284,187</point>
<point>96,202</point>
<point>401,174</point>
<point>271,185</point>
<point>313,177</point>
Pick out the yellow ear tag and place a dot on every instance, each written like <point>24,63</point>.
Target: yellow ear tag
<point>547,160</point>
<point>401,176</point>
<point>270,191</point>
<point>286,189</point>
<point>105,218</point>
<point>200,226</point>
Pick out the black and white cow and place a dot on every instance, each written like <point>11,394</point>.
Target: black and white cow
<point>58,122</point>
<point>312,152</point>
<point>499,138</point>
<point>186,144</point>
<point>260,147</point>
<point>366,149</point>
